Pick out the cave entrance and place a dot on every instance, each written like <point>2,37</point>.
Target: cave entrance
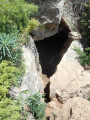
<point>50,55</point>
<point>49,50</point>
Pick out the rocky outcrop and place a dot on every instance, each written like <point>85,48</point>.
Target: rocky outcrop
<point>70,79</point>
<point>73,109</point>
<point>32,80</point>
<point>50,13</point>
<point>74,36</point>
<point>72,11</point>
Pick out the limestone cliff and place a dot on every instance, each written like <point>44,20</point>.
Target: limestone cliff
<point>32,80</point>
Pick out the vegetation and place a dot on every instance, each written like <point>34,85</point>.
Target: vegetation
<point>36,106</point>
<point>9,75</point>
<point>32,25</point>
<point>84,57</point>
<point>9,110</point>
<point>15,26</point>
<point>15,12</point>
<point>8,45</point>
<point>16,23</point>
<point>88,99</point>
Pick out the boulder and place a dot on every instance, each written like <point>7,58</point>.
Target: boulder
<point>50,13</point>
<point>73,109</point>
<point>53,107</point>
<point>70,78</point>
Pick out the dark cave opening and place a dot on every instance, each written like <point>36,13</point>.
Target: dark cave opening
<point>49,56</point>
<point>49,50</point>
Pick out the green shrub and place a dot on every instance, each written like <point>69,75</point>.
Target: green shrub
<point>32,25</point>
<point>9,75</point>
<point>15,12</point>
<point>37,107</point>
<point>84,57</point>
<point>9,110</point>
<point>88,99</point>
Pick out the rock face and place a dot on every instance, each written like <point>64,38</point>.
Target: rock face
<point>74,36</point>
<point>73,109</point>
<point>71,12</point>
<point>50,13</point>
<point>32,79</point>
<point>70,79</point>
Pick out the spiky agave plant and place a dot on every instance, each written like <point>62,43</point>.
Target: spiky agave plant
<point>8,42</point>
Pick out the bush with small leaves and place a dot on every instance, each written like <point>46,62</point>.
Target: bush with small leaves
<point>15,12</point>
<point>32,25</point>
<point>84,57</point>
<point>9,110</point>
<point>9,75</point>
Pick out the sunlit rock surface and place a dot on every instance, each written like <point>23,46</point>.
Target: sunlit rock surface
<point>70,78</point>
